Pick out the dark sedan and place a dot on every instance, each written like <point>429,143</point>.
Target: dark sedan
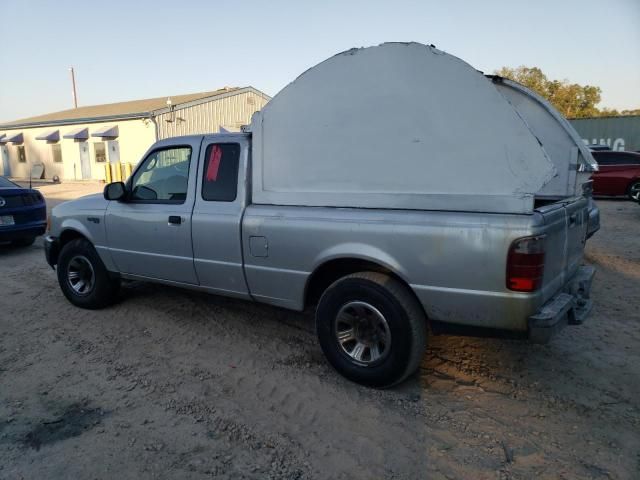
<point>23,213</point>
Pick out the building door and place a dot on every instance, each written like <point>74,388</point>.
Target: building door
<point>113,149</point>
<point>6,167</point>
<point>85,164</point>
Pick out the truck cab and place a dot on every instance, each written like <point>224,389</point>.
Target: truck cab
<point>183,190</point>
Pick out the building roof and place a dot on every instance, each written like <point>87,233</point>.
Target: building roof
<point>122,110</point>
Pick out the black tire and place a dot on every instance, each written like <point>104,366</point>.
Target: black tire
<point>633,192</point>
<point>403,315</point>
<point>104,288</point>
<point>24,242</point>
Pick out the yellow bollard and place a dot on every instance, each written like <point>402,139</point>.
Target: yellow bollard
<point>107,172</point>
<point>126,171</point>
<point>118,171</point>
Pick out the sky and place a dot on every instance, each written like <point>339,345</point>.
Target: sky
<point>128,50</point>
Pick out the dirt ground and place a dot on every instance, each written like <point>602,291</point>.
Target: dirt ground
<point>175,384</point>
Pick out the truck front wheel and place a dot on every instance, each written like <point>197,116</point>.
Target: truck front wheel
<point>371,329</point>
<point>83,278</point>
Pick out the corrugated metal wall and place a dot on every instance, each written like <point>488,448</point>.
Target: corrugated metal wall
<point>620,133</point>
<point>230,113</point>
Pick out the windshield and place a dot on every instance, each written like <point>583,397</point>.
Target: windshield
<point>6,183</point>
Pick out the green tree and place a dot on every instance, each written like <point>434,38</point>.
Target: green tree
<point>571,99</point>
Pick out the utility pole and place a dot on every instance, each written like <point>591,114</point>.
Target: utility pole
<point>73,83</point>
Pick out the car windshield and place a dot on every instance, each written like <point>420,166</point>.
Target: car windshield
<point>6,183</point>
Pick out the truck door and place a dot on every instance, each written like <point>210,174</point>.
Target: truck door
<point>149,234</point>
<point>217,214</point>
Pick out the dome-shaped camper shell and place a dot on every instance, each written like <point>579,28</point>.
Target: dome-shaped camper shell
<point>400,125</point>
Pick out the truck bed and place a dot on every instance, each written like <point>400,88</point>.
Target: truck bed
<point>455,262</point>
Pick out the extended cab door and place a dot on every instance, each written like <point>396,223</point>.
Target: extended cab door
<point>149,233</point>
<point>217,214</point>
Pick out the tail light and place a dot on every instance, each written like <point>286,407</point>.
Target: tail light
<point>525,264</point>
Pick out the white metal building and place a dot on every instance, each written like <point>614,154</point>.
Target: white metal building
<point>78,143</point>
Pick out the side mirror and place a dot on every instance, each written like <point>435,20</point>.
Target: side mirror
<point>114,191</point>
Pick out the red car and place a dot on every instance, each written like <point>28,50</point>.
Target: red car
<point>619,174</point>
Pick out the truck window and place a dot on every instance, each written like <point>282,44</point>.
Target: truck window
<point>163,176</point>
<point>220,175</point>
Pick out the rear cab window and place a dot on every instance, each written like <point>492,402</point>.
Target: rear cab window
<point>220,173</point>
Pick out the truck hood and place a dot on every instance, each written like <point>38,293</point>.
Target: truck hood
<point>94,202</point>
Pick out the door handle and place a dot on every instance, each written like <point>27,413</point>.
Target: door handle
<point>175,220</point>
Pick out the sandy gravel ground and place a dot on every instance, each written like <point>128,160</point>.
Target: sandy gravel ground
<point>174,384</point>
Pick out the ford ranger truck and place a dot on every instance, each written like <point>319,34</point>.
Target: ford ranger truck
<point>392,189</point>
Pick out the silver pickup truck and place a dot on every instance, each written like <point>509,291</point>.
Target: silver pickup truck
<point>227,214</point>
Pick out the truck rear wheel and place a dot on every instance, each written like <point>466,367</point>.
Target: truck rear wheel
<point>371,329</point>
<point>83,278</point>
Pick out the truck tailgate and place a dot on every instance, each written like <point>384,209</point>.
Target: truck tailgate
<point>565,227</point>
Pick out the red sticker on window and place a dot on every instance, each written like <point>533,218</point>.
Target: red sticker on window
<point>213,165</point>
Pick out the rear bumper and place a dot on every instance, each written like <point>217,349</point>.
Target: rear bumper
<point>569,307</point>
<point>51,250</point>
<point>17,232</point>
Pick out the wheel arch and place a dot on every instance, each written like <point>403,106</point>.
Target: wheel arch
<point>72,228</point>
<point>66,236</point>
<point>335,268</point>
<point>75,230</point>
<point>69,234</point>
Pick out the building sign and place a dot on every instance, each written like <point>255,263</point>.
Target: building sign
<point>613,144</point>
<point>619,133</point>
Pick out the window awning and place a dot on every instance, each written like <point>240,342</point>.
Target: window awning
<point>77,134</point>
<point>51,136</point>
<point>106,132</point>
<point>14,138</point>
<point>2,140</point>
